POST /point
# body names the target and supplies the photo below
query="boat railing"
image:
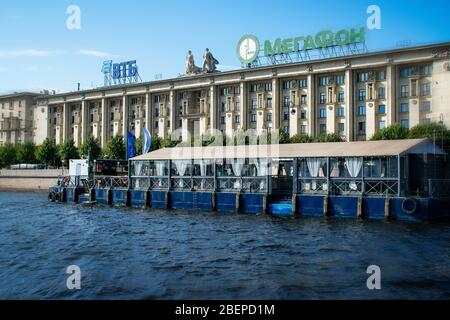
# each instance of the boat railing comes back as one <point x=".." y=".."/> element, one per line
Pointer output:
<point x="348" y="186"/>
<point x="242" y="184"/>
<point x="110" y="182"/>
<point x="439" y="188"/>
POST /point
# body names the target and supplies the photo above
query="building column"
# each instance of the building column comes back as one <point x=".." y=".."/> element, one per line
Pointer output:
<point x="244" y="103"/>
<point x="105" y="128"/>
<point x="66" y="122"/>
<point x="125" y="120"/>
<point x="148" y="112"/>
<point x="311" y="114"/>
<point x="371" y="115"/>
<point x="172" y="111"/>
<point x="390" y="95"/>
<point x="214" y="107"/>
<point x="276" y="104"/>
<point x="349" y="123"/>
<point x="84" y="121"/>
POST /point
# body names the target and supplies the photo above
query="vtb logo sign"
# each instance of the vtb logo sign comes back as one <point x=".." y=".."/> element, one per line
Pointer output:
<point x="121" y="70"/>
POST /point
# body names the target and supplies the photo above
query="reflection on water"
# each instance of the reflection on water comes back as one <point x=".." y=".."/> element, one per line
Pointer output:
<point x="148" y="254"/>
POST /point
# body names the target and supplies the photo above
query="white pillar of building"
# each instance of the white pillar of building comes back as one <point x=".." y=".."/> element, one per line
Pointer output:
<point x="214" y="107"/>
<point x="349" y="123"/>
<point x="311" y="114"/>
<point x="244" y="103"/>
<point x="390" y="95"/>
<point x="66" y="122"/>
<point x="105" y="122"/>
<point x="172" y="111"/>
<point x="84" y="121"/>
<point x="125" y="114"/>
<point x="276" y="104"/>
<point x="148" y="112"/>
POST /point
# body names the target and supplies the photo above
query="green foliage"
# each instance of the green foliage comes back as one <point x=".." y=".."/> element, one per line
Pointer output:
<point x="139" y="146"/>
<point x="26" y="153"/>
<point x="91" y="148"/>
<point x="393" y="132"/>
<point x="168" y="143"/>
<point x="48" y="153"/>
<point x="115" y="149"/>
<point x="8" y="155"/>
<point x="68" y="151"/>
<point x="330" y="137"/>
<point x="282" y="136"/>
<point x="435" y="132"/>
<point x="301" y="138"/>
<point x="156" y="143"/>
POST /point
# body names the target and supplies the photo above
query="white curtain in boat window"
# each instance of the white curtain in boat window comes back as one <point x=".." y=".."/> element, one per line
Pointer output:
<point x="261" y="166"/>
<point x="160" y="166"/>
<point x="138" y="168"/>
<point x="181" y="166"/>
<point x="238" y="165"/>
<point x="354" y="166"/>
<point x="263" y="169"/>
<point x="275" y="167"/>
<point x="203" y="166"/>
<point x="314" y="166"/>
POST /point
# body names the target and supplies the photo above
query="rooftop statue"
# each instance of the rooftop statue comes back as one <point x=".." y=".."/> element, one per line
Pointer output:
<point x="191" y="68"/>
<point x="209" y="62"/>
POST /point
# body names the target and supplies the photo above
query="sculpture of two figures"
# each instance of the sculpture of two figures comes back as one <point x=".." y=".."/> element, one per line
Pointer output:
<point x="209" y="64"/>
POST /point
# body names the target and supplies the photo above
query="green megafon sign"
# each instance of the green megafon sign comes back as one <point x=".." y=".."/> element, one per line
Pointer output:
<point x="249" y="47"/>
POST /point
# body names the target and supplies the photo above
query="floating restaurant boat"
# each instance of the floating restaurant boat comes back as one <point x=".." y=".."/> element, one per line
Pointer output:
<point x="401" y="179"/>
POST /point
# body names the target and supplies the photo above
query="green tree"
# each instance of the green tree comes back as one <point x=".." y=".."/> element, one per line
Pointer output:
<point x="301" y="138"/>
<point x="330" y="137"/>
<point x="139" y="145"/>
<point x="26" y="153"/>
<point x="282" y="136"/>
<point x="8" y="155"/>
<point x="434" y="131"/>
<point x="393" y="132"/>
<point x="48" y="153"/>
<point x="68" y="151"/>
<point x="115" y="149"/>
<point x="156" y="143"/>
<point x="91" y="147"/>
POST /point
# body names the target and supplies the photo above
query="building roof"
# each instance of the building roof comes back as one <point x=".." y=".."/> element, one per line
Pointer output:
<point x="302" y="150"/>
<point x="19" y="95"/>
<point x="269" y="67"/>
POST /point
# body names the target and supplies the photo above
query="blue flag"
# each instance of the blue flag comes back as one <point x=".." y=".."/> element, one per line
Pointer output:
<point x="147" y="142"/>
<point x="131" y="145"/>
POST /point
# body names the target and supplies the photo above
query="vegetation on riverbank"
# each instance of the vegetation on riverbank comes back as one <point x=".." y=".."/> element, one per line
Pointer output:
<point x="54" y="155"/>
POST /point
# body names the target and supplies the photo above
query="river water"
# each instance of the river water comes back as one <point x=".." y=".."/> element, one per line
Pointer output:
<point x="155" y="254"/>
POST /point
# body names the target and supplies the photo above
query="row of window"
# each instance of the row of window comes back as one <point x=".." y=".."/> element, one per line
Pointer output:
<point x="426" y="70"/>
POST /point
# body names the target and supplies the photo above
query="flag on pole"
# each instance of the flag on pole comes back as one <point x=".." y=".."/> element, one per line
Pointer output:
<point x="131" y="145"/>
<point x="147" y="142"/>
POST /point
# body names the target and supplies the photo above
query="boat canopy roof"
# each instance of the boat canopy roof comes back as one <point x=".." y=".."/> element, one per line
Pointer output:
<point x="384" y="148"/>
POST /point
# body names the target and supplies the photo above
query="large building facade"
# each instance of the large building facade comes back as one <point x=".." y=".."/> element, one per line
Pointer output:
<point x="354" y="96"/>
<point x="22" y="118"/>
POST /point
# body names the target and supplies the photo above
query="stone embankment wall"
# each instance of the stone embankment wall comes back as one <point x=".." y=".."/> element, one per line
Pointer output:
<point x="28" y="180"/>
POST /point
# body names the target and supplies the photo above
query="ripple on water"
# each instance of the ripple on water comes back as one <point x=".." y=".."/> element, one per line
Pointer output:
<point x="143" y="254"/>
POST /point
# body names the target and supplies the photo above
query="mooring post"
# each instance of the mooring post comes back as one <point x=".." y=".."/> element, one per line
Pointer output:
<point x="359" y="208"/>
<point x="109" y="196"/>
<point x="326" y="211"/>
<point x="294" y="204"/>
<point x="213" y="200"/>
<point x="387" y="208"/>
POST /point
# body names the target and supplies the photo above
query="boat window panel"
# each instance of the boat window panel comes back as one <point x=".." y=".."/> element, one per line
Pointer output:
<point x="384" y="167"/>
<point x="350" y="167"/>
<point x="312" y="168"/>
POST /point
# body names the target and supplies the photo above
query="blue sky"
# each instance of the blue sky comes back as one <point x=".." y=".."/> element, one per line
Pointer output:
<point x="37" y="50"/>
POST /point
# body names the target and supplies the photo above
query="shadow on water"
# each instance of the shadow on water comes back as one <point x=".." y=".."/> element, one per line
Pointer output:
<point x="154" y="254"/>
